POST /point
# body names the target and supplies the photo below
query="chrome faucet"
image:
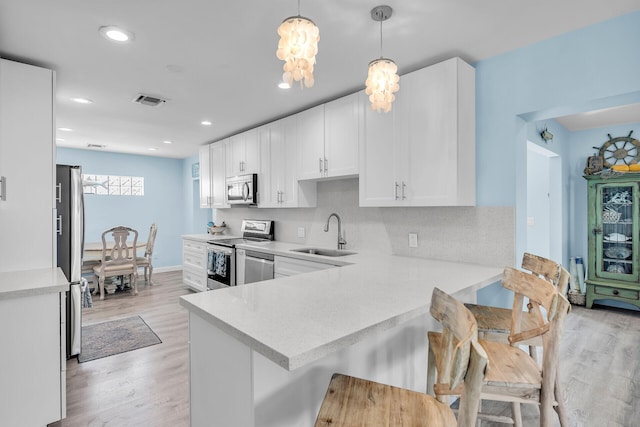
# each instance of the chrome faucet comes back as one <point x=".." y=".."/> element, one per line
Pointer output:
<point x="341" y="241"/>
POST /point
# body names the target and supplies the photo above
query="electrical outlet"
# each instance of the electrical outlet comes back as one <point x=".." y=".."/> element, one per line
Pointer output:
<point x="301" y="232"/>
<point x="531" y="221"/>
<point x="413" y="240"/>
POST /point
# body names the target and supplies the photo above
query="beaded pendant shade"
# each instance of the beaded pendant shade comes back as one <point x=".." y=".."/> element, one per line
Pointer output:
<point x="298" y="46"/>
<point x="382" y="81"/>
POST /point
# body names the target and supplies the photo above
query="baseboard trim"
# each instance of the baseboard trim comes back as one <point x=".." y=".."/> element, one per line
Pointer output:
<point x="167" y="269"/>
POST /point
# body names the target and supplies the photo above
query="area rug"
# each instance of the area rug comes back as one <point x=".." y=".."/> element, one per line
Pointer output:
<point x="115" y="336"/>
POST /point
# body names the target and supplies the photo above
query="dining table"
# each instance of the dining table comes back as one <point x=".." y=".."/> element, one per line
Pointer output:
<point x="93" y="250"/>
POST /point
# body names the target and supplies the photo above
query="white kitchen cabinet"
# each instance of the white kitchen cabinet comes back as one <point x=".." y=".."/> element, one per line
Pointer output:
<point x="311" y="157"/>
<point x="285" y="266"/>
<point x="423" y="152"/>
<point x="342" y="129"/>
<point x="204" y="157"/>
<point x="328" y="137"/>
<point x="243" y="154"/>
<point x="279" y="186"/>
<point x="27" y="167"/>
<point x="213" y="175"/>
<point x="217" y="152"/>
<point x="194" y="264"/>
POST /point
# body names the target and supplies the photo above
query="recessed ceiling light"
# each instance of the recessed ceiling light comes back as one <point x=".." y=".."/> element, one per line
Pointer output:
<point x="82" y="100"/>
<point x="66" y="129"/>
<point x="168" y="142"/>
<point x="284" y="85"/>
<point x="153" y="149"/>
<point x="206" y="123"/>
<point x="116" y="34"/>
<point x="60" y="139"/>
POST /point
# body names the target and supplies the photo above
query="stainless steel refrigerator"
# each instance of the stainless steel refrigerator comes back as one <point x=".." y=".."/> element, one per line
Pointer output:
<point x="70" y="237"/>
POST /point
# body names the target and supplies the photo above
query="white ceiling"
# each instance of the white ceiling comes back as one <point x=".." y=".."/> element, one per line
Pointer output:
<point x="216" y="60"/>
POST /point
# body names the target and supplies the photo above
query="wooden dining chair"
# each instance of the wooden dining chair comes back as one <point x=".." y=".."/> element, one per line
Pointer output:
<point x="351" y="401"/>
<point x="512" y="374"/>
<point x="146" y="260"/>
<point x="118" y="259"/>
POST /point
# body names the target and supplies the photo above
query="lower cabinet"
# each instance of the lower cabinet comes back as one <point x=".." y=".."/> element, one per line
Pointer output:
<point x="33" y="368"/>
<point x="194" y="264"/>
<point x="285" y="266"/>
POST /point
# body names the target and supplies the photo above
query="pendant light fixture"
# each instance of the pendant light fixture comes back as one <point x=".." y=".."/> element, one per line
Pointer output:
<point x="382" y="81"/>
<point x="298" y="47"/>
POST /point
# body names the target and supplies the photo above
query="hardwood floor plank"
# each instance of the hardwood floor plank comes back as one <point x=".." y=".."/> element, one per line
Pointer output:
<point x="600" y="367"/>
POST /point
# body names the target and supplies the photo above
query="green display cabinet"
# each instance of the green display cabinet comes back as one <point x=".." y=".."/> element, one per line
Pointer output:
<point x="613" y="225"/>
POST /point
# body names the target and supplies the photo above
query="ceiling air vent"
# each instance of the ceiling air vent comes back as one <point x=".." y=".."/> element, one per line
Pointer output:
<point x="151" y="101"/>
<point x="95" y="146"/>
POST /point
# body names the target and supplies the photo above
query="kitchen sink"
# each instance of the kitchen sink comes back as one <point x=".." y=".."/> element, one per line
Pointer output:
<point x="323" y="252"/>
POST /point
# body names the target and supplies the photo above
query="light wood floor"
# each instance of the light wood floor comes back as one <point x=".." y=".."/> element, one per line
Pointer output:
<point x="144" y="387"/>
<point x="600" y="367"/>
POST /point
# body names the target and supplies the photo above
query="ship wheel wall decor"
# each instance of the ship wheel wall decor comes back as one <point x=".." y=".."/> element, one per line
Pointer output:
<point x="623" y="150"/>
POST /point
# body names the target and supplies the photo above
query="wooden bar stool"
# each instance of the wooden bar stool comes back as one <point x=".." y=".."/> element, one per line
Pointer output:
<point x="494" y="323"/>
<point x="351" y="401"/>
<point x="512" y="374"/>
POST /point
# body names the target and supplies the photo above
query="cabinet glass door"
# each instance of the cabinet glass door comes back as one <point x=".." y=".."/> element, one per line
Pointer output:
<point x="617" y="233"/>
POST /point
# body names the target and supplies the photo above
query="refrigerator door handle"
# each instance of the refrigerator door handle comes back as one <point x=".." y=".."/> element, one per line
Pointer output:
<point x="59" y="225"/>
<point x="59" y="192"/>
<point x="3" y="189"/>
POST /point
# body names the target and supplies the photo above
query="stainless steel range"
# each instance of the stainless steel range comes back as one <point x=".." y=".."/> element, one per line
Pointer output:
<point x="222" y="266"/>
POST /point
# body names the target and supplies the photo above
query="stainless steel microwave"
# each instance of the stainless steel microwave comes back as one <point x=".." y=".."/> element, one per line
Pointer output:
<point x="242" y="190"/>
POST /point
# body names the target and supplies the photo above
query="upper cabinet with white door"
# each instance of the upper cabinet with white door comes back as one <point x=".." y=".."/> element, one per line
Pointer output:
<point x="204" y="157"/>
<point x="217" y="152"/>
<point x="423" y="152"/>
<point x="243" y="154"/>
<point x="213" y="165"/>
<point x="328" y="139"/>
<point x="27" y="167"/>
<point x="279" y="185"/>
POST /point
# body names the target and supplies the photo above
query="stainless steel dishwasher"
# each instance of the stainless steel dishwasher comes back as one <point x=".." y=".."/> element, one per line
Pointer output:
<point x="258" y="266"/>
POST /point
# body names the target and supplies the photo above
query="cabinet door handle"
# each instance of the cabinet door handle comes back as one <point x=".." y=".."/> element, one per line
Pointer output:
<point x="3" y="188"/>
<point x="396" y="192"/>
<point x="326" y="165"/>
<point x="616" y="292"/>
<point x="320" y="160"/>
<point x="59" y="225"/>
<point x="597" y="230"/>
<point x="403" y="187"/>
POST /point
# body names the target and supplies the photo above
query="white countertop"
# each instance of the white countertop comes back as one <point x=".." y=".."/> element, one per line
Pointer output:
<point x="296" y="320"/>
<point x="17" y="284"/>
<point x="204" y="237"/>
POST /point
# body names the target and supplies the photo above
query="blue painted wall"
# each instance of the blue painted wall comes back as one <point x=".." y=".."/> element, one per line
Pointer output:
<point x="195" y="218"/>
<point x="595" y="67"/>
<point x="163" y="201"/>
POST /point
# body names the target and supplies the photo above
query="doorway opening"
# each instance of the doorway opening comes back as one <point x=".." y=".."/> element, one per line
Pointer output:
<point x="544" y="202"/>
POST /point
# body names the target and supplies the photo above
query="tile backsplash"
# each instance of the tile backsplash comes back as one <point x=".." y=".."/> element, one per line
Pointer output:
<point x="483" y="235"/>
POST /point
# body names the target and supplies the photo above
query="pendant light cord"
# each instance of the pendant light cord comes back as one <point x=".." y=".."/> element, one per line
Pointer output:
<point x="380" y="38"/>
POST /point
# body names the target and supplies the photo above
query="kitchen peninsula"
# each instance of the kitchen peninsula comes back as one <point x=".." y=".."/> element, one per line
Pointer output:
<point x="262" y="354"/>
